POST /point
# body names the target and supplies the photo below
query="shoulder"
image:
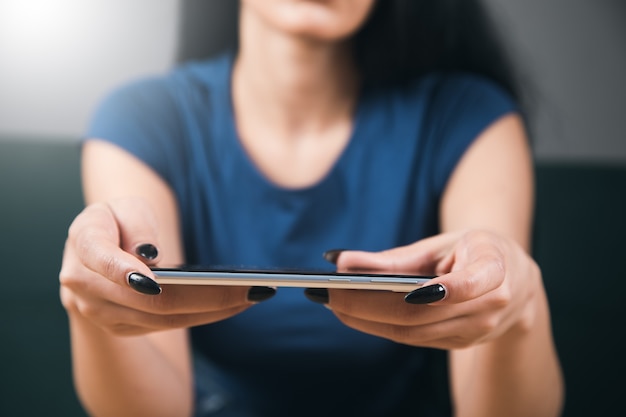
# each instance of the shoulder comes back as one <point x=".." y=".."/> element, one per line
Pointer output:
<point x="210" y="73"/>
<point x="163" y="91"/>
<point x="136" y="97"/>
<point x="161" y="101"/>
<point x="455" y="91"/>
<point x="457" y="108"/>
<point x="447" y="98"/>
<point x="461" y="104"/>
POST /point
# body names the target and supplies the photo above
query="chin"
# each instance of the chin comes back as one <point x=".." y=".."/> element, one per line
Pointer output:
<point x="324" y="20"/>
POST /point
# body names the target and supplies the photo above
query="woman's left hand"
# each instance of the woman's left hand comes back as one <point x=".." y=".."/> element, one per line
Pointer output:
<point x="486" y="286"/>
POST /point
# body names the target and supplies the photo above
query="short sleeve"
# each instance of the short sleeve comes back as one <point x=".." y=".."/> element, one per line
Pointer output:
<point x="465" y="105"/>
<point x="142" y="118"/>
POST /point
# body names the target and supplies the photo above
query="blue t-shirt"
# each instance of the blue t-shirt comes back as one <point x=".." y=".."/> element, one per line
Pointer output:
<point x="289" y="356"/>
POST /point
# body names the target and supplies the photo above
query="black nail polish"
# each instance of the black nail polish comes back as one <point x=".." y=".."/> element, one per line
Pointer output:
<point x="258" y="294"/>
<point x="317" y="295"/>
<point x="426" y="295"/>
<point x="147" y="251"/>
<point x="332" y="255"/>
<point x="143" y="284"/>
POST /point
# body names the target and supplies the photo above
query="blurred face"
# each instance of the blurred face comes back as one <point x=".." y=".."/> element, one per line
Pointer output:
<point x="315" y="19"/>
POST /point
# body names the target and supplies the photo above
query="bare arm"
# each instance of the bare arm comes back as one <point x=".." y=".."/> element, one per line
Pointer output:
<point x="145" y="374"/>
<point x="517" y="373"/>
<point x="130" y="350"/>
<point x="487" y="306"/>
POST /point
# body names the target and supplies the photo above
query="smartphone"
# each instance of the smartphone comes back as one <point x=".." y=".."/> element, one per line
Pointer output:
<point x="204" y="275"/>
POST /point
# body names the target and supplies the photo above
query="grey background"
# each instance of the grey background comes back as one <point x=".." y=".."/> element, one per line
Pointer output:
<point x="574" y="54"/>
<point x="58" y="57"/>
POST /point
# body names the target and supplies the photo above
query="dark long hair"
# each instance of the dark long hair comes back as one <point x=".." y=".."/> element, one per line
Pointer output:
<point x="401" y="40"/>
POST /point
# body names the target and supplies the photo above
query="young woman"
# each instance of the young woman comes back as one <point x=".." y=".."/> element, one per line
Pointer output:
<point x="387" y="128"/>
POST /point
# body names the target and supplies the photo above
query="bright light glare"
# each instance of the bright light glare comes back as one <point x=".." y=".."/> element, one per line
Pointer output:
<point x="38" y="30"/>
<point x="58" y="57"/>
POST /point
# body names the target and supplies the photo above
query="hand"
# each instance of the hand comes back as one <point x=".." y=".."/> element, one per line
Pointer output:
<point x="108" y="250"/>
<point x="486" y="286"/>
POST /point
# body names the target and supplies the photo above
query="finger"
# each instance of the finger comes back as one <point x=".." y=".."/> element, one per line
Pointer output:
<point x="386" y="307"/>
<point x="422" y="257"/>
<point x="190" y="299"/>
<point x="482" y="276"/>
<point x="455" y="333"/>
<point x="138" y="228"/>
<point x="477" y="267"/>
<point x="94" y="238"/>
<point x="174" y="299"/>
<point x="122" y="320"/>
<point x="123" y="309"/>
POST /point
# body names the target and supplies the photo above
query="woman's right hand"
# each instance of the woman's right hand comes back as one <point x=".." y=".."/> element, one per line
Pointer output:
<point x="108" y="251"/>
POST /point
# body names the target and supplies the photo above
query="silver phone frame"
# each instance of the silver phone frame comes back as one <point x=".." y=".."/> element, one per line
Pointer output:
<point x="289" y="278"/>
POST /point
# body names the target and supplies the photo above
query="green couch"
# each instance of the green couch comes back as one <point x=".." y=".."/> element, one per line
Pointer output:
<point x="579" y="242"/>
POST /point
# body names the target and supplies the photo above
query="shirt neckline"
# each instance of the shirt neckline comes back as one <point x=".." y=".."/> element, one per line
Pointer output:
<point x="232" y="136"/>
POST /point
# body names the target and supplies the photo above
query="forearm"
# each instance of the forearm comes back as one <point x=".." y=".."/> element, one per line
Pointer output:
<point x="126" y="376"/>
<point x="517" y="374"/>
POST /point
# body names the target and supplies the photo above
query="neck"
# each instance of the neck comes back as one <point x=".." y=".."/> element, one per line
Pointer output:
<point x="298" y="86"/>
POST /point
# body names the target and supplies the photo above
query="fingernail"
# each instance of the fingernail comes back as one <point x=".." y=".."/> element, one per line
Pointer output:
<point x="332" y="255"/>
<point x="258" y="294"/>
<point x="147" y="251"/>
<point x="317" y="295"/>
<point x="426" y="295"/>
<point x="143" y="284"/>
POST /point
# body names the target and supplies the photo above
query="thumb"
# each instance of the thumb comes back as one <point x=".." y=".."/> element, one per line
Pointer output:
<point x="138" y="228"/>
<point x="424" y="257"/>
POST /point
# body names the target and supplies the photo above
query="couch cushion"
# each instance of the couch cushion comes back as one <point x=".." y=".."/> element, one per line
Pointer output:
<point x="580" y="244"/>
<point x="40" y="192"/>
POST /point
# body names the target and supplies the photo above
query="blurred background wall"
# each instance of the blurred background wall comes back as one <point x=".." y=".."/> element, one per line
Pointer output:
<point x="58" y="57"/>
<point x="574" y="54"/>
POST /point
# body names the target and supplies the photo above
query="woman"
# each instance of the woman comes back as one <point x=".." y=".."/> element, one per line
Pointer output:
<point x="317" y="132"/>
